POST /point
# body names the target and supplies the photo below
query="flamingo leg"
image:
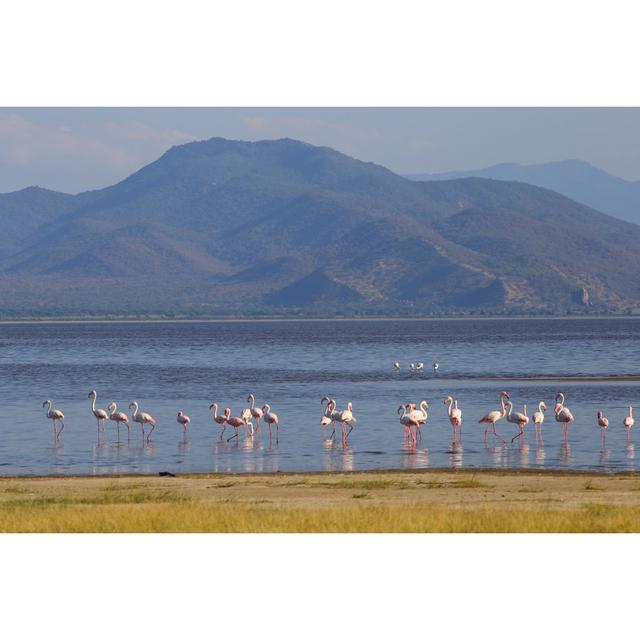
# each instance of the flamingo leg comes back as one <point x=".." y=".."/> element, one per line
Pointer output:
<point x="153" y="426"/>
<point x="495" y="433"/>
<point x="61" y="430"/>
<point x="235" y="435"/>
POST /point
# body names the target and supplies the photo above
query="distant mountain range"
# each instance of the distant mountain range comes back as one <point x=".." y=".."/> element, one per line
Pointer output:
<point x="573" y="178"/>
<point x="283" y="227"/>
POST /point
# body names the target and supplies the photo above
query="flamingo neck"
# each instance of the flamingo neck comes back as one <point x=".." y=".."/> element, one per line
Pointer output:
<point x="93" y="403"/>
<point x="450" y="409"/>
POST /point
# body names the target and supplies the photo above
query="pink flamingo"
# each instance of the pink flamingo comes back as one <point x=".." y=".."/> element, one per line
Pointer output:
<point x="237" y="423"/>
<point x="142" y="418"/>
<point x="538" y="419"/>
<point x="345" y="417"/>
<point x="420" y="415"/>
<point x="410" y="423"/>
<point x="326" y="419"/>
<point x="119" y="417"/>
<point x="53" y="415"/>
<point x="493" y="416"/>
<point x="603" y="423"/>
<point x="221" y="420"/>
<point x="519" y="419"/>
<point x="100" y="414"/>
<point x="256" y="412"/>
<point x="455" y="415"/>
<point x="628" y="423"/>
<point x="563" y="415"/>
<point x="183" y="420"/>
<point x="271" y="418"/>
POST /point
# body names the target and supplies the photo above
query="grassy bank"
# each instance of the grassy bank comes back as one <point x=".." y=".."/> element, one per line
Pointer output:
<point x="430" y="501"/>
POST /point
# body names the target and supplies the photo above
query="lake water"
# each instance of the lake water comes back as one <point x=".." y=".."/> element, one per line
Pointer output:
<point x="171" y="366"/>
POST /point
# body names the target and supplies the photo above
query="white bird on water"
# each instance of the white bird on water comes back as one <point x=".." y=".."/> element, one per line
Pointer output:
<point x="54" y="414"/>
<point x="396" y="366"/>
<point x="183" y="420"/>
<point x="100" y="414"/>
<point x="563" y="415"/>
<point x="435" y="366"/>
<point x="118" y="417"/>
<point x="420" y="366"/>
<point x="142" y="418"/>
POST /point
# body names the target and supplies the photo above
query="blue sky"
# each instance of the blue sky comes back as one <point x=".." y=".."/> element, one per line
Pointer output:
<point x="74" y="149"/>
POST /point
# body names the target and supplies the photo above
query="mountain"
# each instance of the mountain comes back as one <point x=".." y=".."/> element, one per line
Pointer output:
<point x="573" y="178"/>
<point x="283" y="227"/>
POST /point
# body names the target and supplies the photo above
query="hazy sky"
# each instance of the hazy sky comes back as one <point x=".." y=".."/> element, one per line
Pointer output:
<point x="73" y="149"/>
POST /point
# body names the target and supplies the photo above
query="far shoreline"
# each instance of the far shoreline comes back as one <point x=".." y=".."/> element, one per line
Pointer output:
<point x="239" y="320"/>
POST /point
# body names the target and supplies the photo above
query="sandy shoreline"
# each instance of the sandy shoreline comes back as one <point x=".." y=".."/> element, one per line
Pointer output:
<point x="375" y="501"/>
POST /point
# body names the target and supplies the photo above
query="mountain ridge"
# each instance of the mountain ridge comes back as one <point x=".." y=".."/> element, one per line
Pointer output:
<point x="221" y="227"/>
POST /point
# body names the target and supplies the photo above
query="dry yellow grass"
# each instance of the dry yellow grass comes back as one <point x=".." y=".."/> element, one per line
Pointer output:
<point x="432" y="501"/>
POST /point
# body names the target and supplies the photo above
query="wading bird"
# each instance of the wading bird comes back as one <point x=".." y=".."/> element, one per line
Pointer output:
<point x="183" y="420"/>
<point x="100" y="414"/>
<point x="493" y="416"/>
<point x="563" y="415"/>
<point x="435" y="366"/>
<point x="603" y="423"/>
<point x="396" y="366"/>
<point x="409" y="423"/>
<point x="221" y="420"/>
<point x="420" y="415"/>
<point x="271" y="419"/>
<point x="327" y="418"/>
<point x="519" y="419"/>
<point x="256" y="412"/>
<point x="142" y="418"/>
<point x="239" y="423"/>
<point x="455" y="415"/>
<point x="345" y="418"/>
<point x="538" y="419"/>
<point x="54" y="414"/>
<point x="118" y="417"/>
<point x="420" y="366"/>
<point x="628" y="423"/>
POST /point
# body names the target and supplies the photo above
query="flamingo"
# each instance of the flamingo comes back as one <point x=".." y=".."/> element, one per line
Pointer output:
<point x="54" y="414"/>
<point x="455" y="414"/>
<point x="345" y="417"/>
<point x="271" y="418"/>
<point x="628" y="423"/>
<point x="327" y="418"/>
<point x="100" y="414"/>
<point x="118" y="417"/>
<point x="256" y="412"/>
<point x="493" y="416"/>
<point x="221" y="420"/>
<point x="538" y="419"/>
<point x="142" y="418"/>
<point x="603" y="423"/>
<point x="520" y="419"/>
<point x="419" y="415"/>
<point x="238" y="422"/>
<point x="183" y="420"/>
<point x="563" y="415"/>
<point x="409" y="423"/>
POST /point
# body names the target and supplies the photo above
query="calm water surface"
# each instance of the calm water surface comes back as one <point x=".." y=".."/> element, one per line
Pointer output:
<point x="291" y="365"/>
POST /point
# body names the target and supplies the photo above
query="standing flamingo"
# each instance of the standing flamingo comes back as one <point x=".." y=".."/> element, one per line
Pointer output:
<point x="455" y="415"/>
<point x="409" y="423"/>
<point x="419" y="415"/>
<point x="271" y="418"/>
<point x="519" y="419"/>
<point x="538" y="419"/>
<point x="256" y="412"/>
<point x="183" y="420"/>
<point x="142" y="418"/>
<point x="118" y="417"/>
<point x="237" y="423"/>
<point x="563" y="415"/>
<point x="603" y="423"/>
<point x="493" y="416"/>
<point x="628" y="423"/>
<point x="54" y="414"/>
<point x="327" y="418"/>
<point x="221" y="420"/>
<point x="345" y="417"/>
<point x="100" y="414"/>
